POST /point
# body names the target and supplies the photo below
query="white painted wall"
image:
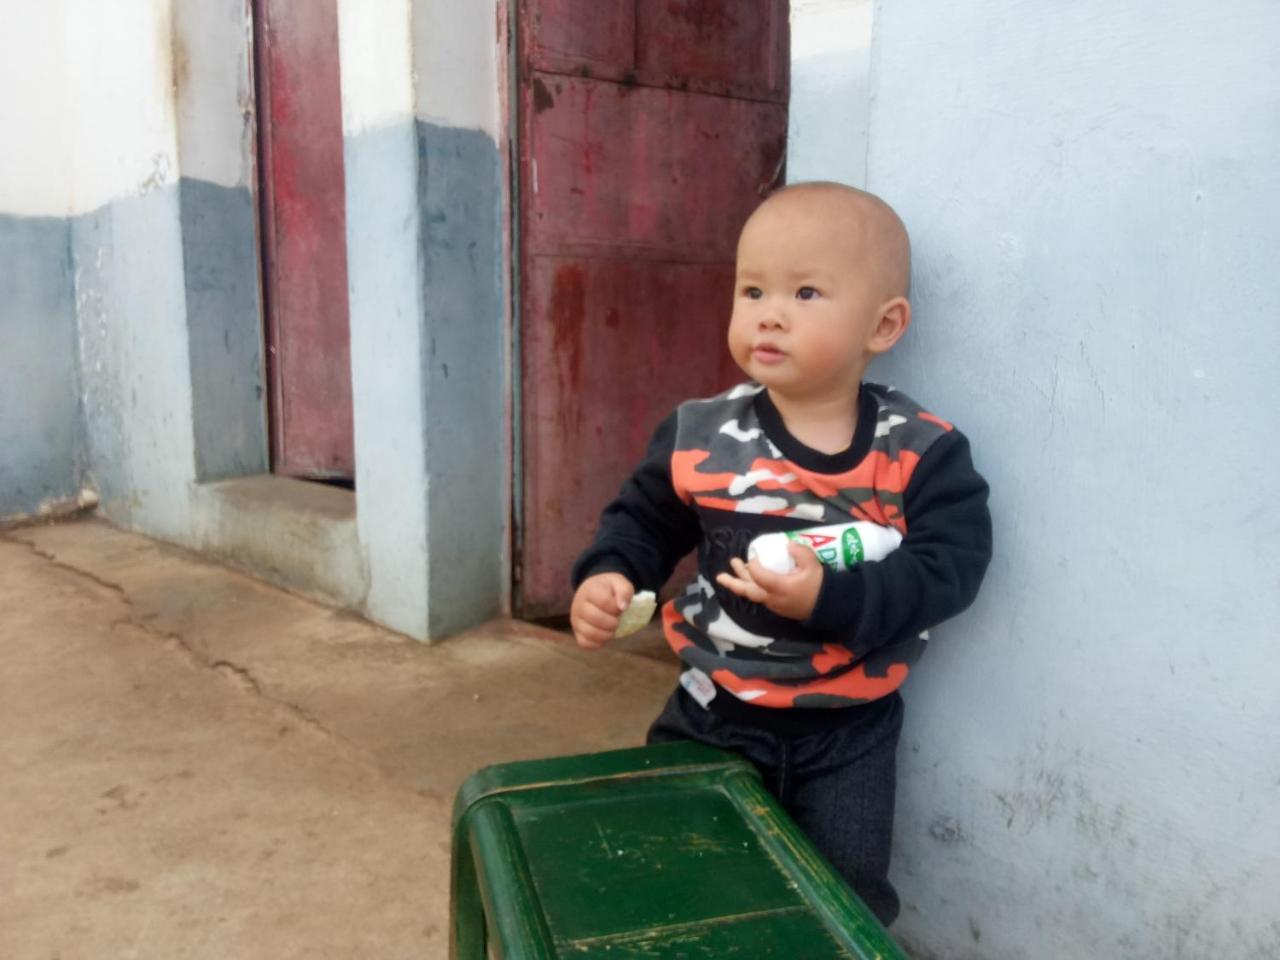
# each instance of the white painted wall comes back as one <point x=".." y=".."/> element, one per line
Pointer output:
<point x="84" y="121"/>
<point x="436" y="61"/>
<point x="830" y="96"/>
<point x="89" y="99"/>
<point x="375" y="42"/>
<point x="1090" y="764"/>
<point x="456" y="50"/>
<point x="211" y="47"/>
<point x="119" y="63"/>
<point x="35" y="174"/>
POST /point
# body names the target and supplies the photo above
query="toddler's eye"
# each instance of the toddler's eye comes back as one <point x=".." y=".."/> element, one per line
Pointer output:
<point x="753" y="293"/>
<point x="806" y="293"/>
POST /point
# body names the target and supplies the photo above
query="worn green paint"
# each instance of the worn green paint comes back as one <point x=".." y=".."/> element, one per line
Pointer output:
<point x="675" y="850"/>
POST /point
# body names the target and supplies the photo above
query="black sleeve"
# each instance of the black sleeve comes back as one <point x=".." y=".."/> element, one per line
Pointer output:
<point x="936" y="571"/>
<point x="647" y="529"/>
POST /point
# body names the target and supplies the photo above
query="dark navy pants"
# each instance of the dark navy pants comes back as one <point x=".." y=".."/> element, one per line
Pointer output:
<point x="837" y="784"/>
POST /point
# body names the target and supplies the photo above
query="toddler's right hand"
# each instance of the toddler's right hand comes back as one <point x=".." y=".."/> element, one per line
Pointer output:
<point x="596" y="608"/>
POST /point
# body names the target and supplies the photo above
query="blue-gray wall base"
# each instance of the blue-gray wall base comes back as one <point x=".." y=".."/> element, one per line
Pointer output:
<point x="40" y="431"/>
<point x="467" y="462"/>
<point x="224" y="324"/>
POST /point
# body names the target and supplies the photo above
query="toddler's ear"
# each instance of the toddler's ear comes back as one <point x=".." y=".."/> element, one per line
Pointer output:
<point x="895" y="317"/>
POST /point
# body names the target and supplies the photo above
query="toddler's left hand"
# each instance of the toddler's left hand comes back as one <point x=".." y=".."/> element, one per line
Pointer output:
<point x="792" y="595"/>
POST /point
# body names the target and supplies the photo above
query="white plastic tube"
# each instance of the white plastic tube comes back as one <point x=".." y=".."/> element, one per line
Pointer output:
<point x="839" y="545"/>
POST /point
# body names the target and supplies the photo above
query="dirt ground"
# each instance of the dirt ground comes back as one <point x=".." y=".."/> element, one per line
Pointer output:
<point x="195" y="764"/>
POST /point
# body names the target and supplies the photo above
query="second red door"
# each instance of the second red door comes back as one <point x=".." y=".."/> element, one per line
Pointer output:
<point x="648" y="131"/>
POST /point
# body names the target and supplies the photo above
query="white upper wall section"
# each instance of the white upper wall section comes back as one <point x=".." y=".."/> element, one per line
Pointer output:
<point x="456" y="48"/>
<point x="121" y="83"/>
<point x="436" y="60"/>
<point x="375" y="42"/>
<point x="212" y="47"/>
<point x="92" y="94"/>
<point x="87" y="94"/>
<point x="830" y="96"/>
<point x="35" y="175"/>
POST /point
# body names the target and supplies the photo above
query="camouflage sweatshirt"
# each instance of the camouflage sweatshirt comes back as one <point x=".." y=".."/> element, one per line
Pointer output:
<point x="721" y="471"/>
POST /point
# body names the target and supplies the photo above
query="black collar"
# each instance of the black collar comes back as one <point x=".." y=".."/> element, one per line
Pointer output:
<point x="814" y="460"/>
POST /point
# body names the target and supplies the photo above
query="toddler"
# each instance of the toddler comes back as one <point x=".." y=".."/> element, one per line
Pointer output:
<point x="799" y="672"/>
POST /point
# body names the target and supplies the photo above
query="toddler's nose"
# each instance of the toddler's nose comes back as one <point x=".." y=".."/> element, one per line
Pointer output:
<point x="771" y="319"/>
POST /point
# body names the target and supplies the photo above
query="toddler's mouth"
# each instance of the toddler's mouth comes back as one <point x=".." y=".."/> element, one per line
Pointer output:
<point x="767" y="353"/>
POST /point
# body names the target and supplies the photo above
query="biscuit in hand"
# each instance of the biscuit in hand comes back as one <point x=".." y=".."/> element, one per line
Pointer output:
<point x="638" y="614"/>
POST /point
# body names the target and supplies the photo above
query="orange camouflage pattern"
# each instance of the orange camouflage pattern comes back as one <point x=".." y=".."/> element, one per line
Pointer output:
<point x="724" y="464"/>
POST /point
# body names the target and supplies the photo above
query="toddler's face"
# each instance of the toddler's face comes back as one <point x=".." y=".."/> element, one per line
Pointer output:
<point x="805" y="304"/>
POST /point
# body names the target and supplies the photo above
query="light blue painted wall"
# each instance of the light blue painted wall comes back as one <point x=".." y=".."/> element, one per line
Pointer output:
<point x="135" y="360"/>
<point x="1090" y="765"/>
<point x="131" y="353"/>
<point x="387" y="350"/>
<point x="40" y="438"/>
<point x="424" y="252"/>
<point x="168" y="321"/>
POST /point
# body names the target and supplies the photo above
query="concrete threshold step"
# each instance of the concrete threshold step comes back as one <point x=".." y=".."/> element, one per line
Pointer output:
<point x="292" y="533"/>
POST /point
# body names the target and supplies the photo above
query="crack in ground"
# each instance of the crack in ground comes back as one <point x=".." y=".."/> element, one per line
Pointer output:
<point x="53" y="560"/>
<point x="243" y="678"/>
<point x="237" y="675"/>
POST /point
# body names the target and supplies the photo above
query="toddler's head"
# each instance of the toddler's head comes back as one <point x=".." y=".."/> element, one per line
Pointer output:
<point x="822" y="281"/>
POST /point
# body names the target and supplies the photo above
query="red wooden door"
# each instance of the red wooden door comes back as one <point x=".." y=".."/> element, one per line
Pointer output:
<point x="304" y="238"/>
<point x="648" y="131"/>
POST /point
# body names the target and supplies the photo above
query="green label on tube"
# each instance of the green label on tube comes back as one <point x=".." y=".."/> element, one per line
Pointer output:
<point x="851" y="547"/>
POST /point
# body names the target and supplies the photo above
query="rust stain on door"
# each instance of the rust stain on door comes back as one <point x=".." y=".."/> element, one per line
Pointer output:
<point x="568" y="307"/>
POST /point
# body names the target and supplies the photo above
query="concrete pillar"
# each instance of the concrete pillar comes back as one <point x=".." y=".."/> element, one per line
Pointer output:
<point x="425" y="248"/>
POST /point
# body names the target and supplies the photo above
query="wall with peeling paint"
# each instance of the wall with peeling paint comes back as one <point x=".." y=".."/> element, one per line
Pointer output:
<point x="1089" y="765"/>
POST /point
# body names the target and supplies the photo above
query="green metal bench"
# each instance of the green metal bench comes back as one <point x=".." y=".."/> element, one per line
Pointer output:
<point x="673" y="851"/>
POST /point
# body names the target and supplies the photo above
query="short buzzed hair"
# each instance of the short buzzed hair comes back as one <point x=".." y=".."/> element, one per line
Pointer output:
<point x="885" y="235"/>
